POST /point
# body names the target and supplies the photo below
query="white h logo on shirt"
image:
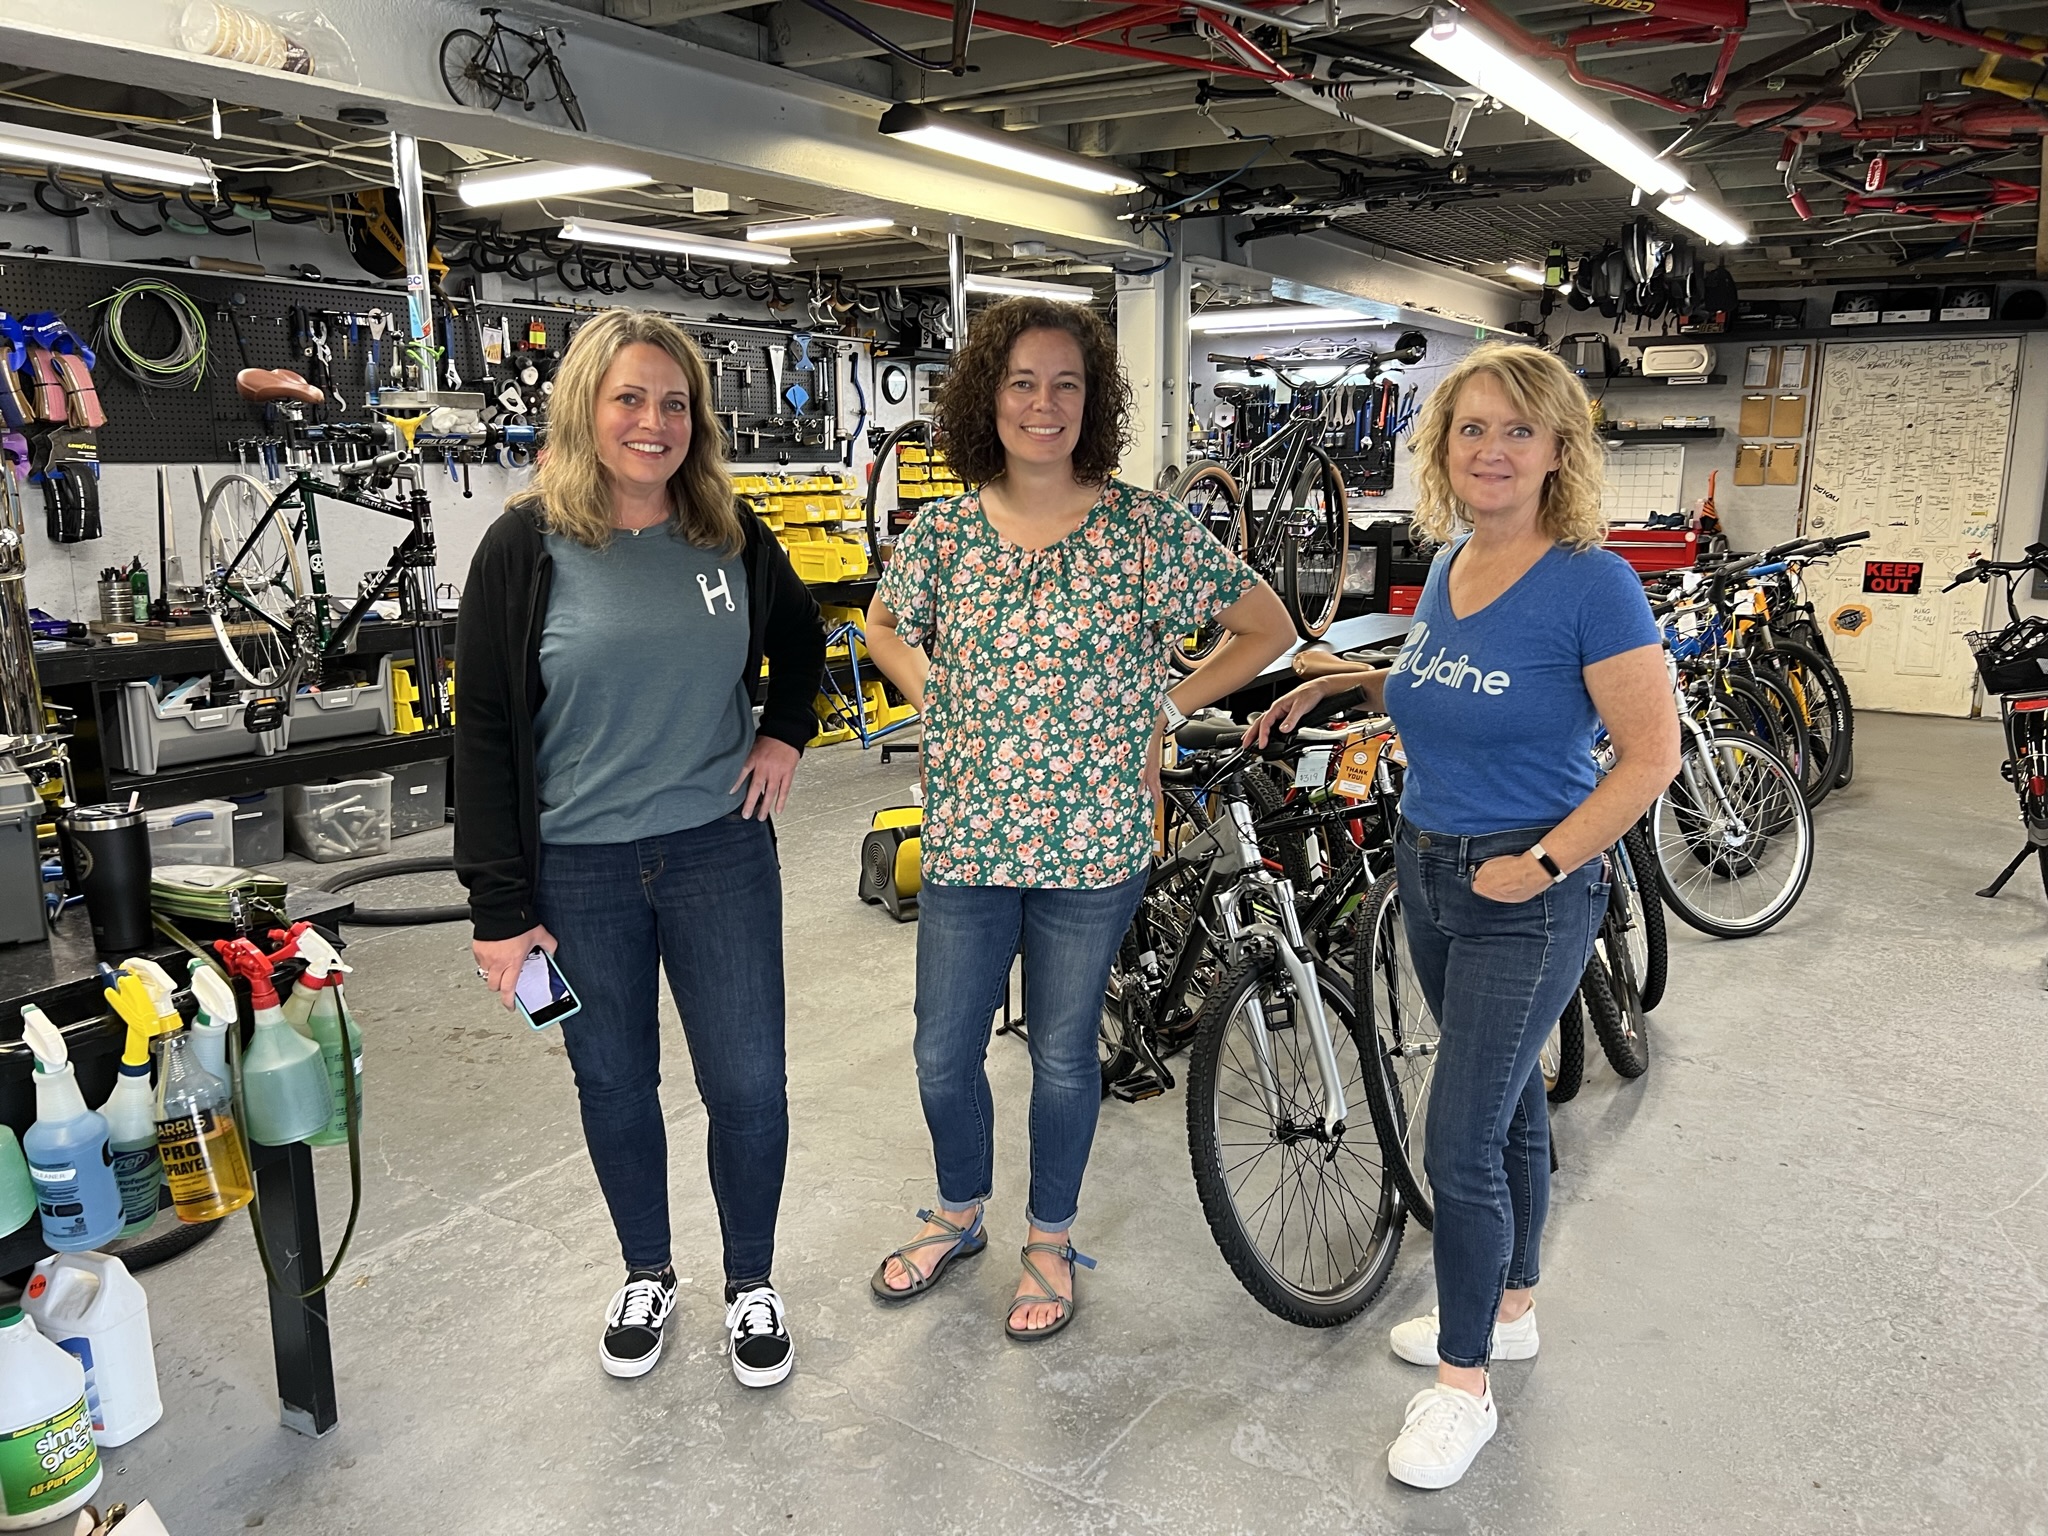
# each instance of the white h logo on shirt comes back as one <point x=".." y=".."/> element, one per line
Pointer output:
<point x="723" y="589"/>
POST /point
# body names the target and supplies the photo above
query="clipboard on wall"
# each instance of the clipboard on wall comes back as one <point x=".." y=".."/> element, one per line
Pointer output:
<point x="1749" y="464"/>
<point x="1755" y="420"/>
<point x="1788" y="416"/>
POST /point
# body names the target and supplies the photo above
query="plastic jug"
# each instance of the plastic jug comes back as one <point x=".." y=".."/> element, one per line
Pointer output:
<point x="88" y="1305"/>
<point x="204" y="1163"/>
<point x="49" y="1461"/>
<point x="69" y="1154"/>
<point x="130" y="1109"/>
<point x="17" y="1189"/>
<point x="284" y="1080"/>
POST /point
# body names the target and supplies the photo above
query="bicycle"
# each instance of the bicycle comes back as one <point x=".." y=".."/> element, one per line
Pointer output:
<point x="1299" y="540"/>
<point x="2012" y="664"/>
<point x="270" y="609"/>
<point x="478" y="69"/>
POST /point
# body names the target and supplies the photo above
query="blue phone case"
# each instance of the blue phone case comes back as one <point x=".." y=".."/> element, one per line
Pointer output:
<point x="567" y="991"/>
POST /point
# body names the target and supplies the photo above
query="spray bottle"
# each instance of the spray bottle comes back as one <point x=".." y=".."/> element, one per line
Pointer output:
<point x="69" y="1153"/>
<point x="17" y="1189"/>
<point x="130" y="1109"/>
<point x="284" y="1081"/>
<point x="204" y="1164"/>
<point x="210" y="1026"/>
<point x="328" y="1023"/>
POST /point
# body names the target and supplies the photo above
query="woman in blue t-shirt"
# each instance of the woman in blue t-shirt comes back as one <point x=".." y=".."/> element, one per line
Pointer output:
<point x="1528" y="639"/>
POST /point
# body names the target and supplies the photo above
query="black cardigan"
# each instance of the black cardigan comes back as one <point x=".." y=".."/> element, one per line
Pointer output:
<point x="498" y="688"/>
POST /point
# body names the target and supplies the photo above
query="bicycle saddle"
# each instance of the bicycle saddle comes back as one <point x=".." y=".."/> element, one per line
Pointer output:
<point x="1200" y="735"/>
<point x="265" y="384"/>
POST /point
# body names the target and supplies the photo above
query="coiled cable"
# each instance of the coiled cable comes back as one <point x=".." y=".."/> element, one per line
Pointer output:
<point x="183" y="366"/>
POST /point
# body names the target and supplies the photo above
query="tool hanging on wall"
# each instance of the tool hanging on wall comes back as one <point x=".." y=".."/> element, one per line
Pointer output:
<point x="66" y="464"/>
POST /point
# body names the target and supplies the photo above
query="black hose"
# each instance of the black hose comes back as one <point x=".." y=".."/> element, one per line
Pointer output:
<point x="49" y="183"/>
<point x="135" y="229"/>
<point x="397" y="917"/>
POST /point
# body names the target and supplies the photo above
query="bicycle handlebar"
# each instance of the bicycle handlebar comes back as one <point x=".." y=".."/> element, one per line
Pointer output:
<point x="2035" y="559"/>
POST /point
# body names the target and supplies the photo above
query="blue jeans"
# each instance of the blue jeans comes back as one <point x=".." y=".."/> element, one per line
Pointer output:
<point x="706" y="906"/>
<point x="1496" y="975"/>
<point x="967" y="935"/>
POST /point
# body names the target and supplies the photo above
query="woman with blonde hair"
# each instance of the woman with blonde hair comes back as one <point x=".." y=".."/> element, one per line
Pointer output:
<point x="613" y="794"/>
<point x="1528" y="639"/>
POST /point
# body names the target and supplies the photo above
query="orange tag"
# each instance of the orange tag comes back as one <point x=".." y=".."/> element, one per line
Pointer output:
<point x="37" y="1285"/>
<point x="1355" y="768"/>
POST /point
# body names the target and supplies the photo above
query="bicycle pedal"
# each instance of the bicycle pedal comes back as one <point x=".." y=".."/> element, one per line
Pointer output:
<point x="1136" y="1088"/>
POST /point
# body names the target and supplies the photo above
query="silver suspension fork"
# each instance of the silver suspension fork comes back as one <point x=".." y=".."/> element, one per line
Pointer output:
<point x="1738" y="829"/>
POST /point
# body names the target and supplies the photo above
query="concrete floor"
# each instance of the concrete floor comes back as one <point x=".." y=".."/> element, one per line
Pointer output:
<point x="1794" y="1281"/>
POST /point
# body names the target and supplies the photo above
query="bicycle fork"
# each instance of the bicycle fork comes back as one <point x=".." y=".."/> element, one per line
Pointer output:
<point x="1294" y="956"/>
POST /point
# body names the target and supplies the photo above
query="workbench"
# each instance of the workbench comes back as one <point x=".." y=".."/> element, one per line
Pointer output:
<point x="59" y="978"/>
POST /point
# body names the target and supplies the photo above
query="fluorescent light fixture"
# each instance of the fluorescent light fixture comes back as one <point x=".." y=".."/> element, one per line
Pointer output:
<point x="1529" y="274"/>
<point x="935" y="130"/>
<point x="1025" y="288"/>
<point x="1283" y="317"/>
<point x="541" y="178"/>
<point x="635" y="237"/>
<point x="41" y="147"/>
<point x="1705" y="219"/>
<point x="1466" y="51"/>
<point x="813" y="229"/>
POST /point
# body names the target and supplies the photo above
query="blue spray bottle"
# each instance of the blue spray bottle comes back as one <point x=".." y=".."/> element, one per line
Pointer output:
<point x="70" y="1153"/>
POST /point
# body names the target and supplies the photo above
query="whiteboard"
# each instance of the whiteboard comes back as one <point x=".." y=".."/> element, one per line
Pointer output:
<point x="1910" y="441"/>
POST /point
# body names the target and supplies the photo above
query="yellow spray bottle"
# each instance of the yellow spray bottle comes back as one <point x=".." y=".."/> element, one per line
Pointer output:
<point x="130" y="1110"/>
<point x="204" y="1164"/>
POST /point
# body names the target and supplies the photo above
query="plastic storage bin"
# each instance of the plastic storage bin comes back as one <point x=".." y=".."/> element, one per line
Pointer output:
<point x="419" y="797"/>
<point x="259" y="828"/>
<point x="202" y="832"/>
<point x="152" y="737"/>
<point x="346" y="820"/>
<point x="363" y="709"/>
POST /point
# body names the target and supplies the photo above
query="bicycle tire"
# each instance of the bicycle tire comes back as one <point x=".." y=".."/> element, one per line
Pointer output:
<point x="1288" y="849"/>
<point x="1312" y="565"/>
<point x="1625" y="1032"/>
<point x="917" y="428"/>
<point x="1596" y="992"/>
<point x="564" y="94"/>
<point x="1816" y="673"/>
<point x="1752" y="706"/>
<point x="1650" y="915"/>
<point x="1563" y="1058"/>
<point x="1405" y="1035"/>
<point x="1697" y="840"/>
<point x="1246" y="999"/>
<point x="1209" y="491"/>
<point x="251" y="573"/>
<point x="466" y="70"/>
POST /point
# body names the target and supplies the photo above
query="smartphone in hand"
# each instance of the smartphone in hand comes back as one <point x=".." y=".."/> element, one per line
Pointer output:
<point x="542" y="994"/>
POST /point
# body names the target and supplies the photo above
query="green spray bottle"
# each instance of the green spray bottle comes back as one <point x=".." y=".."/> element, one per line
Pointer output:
<point x="285" y="1096"/>
<point x="130" y="1110"/>
<point x="327" y="1023"/>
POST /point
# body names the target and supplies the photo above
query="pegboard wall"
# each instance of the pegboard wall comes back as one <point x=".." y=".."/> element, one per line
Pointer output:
<point x="253" y="324"/>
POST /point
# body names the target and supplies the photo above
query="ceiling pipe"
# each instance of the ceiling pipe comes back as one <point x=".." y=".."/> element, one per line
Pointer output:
<point x="1080" y="36"/>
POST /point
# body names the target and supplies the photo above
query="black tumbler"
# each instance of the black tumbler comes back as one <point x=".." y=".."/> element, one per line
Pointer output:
<point x="106" y="850"/>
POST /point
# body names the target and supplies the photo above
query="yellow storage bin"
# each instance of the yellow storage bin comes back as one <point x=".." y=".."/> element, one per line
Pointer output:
<point x="819" y="560"/>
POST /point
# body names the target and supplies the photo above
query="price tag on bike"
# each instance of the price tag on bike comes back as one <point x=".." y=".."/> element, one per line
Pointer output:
<point x="1313" y="768"/>
<point x="1356" y="767"/>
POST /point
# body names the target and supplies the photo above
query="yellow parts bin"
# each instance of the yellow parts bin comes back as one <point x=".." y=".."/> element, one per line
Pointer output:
<point x="889" y="852"/>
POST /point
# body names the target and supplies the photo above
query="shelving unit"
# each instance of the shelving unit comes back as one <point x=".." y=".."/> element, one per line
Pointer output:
<point x="1637" y="381"/>
<point x="1660" y="435"/>
<point x="1919" y="331"/>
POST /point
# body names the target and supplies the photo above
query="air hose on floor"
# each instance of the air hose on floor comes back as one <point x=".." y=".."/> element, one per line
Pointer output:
<point x="397" y="917"/>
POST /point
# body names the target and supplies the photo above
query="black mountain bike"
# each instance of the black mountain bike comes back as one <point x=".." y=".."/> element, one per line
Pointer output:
<point x="483" y="70"/>
<point x="2012" y="663"/>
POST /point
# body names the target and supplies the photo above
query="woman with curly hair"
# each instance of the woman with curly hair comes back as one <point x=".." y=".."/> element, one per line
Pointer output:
<point x="1528" y="639"/>
<point x="1047" y="598"/>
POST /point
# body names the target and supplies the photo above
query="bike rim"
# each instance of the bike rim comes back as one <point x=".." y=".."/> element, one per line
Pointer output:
<point x="1736" y="858"/>
<point x="1315" y="1214"/>
<point x="253" y="602"/>
<point x="1408" y="1035"/>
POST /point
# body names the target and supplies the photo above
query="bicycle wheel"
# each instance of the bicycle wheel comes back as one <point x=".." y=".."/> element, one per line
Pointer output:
<point x="1732" y="836"/>
<point x="564" y="94"/>
<point x="466" y="70"/>
<point x="1209" y="491"/>
<point x="1823" y="700"/>
<point x="1747" y="704"/>
<point x="1625" y="1032"/>
<point x="1310" y="1225"/>
<point x="1596" y="992"/>
<point x="1405" y="1034"/>
<point x="1318" y="532"/>
<point x="1287" y="849"/>
<point x="1653" y="953"/>
<point x="1563" y="1060"/>
<point x="254" y="587"/>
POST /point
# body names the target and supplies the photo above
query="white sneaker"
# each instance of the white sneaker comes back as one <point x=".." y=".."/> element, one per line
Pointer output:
<point x="1444" y="1430"/>
<point x="1415" y="1340"/>
<point x="762" y="1353"/>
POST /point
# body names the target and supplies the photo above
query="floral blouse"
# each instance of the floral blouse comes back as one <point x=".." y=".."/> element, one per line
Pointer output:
<point x="1047" y="671"/>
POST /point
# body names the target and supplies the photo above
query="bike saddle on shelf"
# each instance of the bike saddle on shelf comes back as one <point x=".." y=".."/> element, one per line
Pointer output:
<point x="267" y="384"/>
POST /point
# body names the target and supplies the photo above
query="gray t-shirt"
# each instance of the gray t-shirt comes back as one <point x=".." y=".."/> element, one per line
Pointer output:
<point x="647" y="720"/>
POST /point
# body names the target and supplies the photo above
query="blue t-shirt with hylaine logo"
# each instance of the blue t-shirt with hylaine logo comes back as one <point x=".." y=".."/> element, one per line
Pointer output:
<point x="1493" y="711"/>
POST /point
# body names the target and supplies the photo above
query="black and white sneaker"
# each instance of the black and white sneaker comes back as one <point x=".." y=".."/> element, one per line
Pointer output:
<point x="762" y="1354"/>
<point x="632" y="1324"/>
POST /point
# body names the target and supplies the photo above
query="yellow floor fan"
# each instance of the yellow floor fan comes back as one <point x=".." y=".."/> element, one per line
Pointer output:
<point x="888" y="861"/>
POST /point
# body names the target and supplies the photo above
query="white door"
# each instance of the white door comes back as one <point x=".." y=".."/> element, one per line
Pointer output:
<point x="1909" y="441"/>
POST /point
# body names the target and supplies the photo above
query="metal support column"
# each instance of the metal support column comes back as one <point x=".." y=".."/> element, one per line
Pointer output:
<point x="1152" y="334"/>
<point x="412" y="224"/>
<point x="956" y="286"/>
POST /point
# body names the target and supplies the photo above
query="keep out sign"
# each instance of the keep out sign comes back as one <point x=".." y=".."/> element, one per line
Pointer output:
<point x="1901" y="578"/>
